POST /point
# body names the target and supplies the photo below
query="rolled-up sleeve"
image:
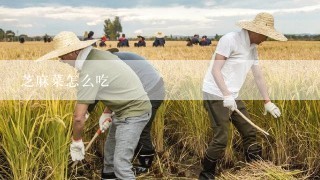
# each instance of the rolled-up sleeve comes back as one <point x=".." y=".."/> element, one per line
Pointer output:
<point x="87" y="89"/>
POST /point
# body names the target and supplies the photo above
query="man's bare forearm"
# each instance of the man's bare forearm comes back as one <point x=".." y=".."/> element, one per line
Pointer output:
<point x="261" y="83"/>
<point x="218" y="78"/>
<point x="217" y="75"/>
<point x="79" y="120"/>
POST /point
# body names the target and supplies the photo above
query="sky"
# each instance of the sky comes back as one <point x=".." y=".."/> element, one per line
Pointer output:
<point x="145" y="17"/>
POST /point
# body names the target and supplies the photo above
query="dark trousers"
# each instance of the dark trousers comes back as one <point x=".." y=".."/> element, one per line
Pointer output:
<point x="156" y="95"/>
<point x="221" y="118"/>
<point x="145" y="146"/>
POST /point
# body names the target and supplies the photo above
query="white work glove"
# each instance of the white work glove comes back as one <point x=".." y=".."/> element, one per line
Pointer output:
<point x="77" y="150"/>
<point x="272" y="109"/>
<point x="105" y="121"/>
<point x="229" y="102"/>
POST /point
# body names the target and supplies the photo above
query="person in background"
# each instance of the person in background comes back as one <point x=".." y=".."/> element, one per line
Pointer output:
<point x="123" y="41"/>
<point x="90" y="37"/>
<point x="141" y="42"/>
<point x="159" y="41"/>
<point x="208" y="41"/>
<point x="189" y="43"/>
<point x="154" y="86"/>
<point x="45" y="38"/>
<point x="205" y="41"/>
<point x="235" y="54"/>
<point x="21" y="39"/>
<point x="103" y="41"/>
<point x="195" y="39"/>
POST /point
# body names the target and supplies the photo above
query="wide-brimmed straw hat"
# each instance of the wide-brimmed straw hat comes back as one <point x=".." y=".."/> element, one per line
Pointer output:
<point x="64" y="43"/>
<point x="263" y="23"/>
<point x="159" y="35"/>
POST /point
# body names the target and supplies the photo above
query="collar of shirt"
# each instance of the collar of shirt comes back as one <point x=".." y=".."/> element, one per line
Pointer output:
<point x="244" y="34"/>
<point x="82" y="56"/>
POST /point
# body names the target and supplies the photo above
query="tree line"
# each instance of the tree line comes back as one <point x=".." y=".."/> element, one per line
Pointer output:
<point x="10" y="36"/>
<point x="113" y="29"/>
<point x="7" y="35"/>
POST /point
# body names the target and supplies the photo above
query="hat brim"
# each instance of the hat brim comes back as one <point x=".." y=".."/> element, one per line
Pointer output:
<point x="270" y="32"/>
<point x="159" y="35"/>
<point x="62" y="51"/>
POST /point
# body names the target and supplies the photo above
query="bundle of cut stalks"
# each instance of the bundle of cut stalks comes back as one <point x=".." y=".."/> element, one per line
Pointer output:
<point x="261" y="170"/>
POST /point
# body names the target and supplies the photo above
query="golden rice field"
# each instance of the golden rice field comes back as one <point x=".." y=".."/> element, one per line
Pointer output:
<point x="292" y="50"/>
<point x="35" y="135"/>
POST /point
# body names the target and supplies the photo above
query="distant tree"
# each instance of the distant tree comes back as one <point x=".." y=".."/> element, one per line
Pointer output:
<point x="117" y="27"/>
<point x="112" y="28"/>
<point x="217" y="37"/>
<point x="37" y="38"/>
<point x="45" y="38"/>
<point x="10" y="35"/>
<point x="2" y="34"/>
<point x="107" y="27"/>
<point x="301" y="37"/>
<point x="113" y="33"/>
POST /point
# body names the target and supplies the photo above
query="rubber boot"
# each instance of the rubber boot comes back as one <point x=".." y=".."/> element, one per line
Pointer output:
<point x="145" y="163"/>
<point x="209" y="169"/>
<point x="253" y="154"/>
<point x="108" y="176"/>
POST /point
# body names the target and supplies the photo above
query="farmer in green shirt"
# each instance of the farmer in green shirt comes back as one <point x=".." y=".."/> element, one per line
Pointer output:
<point x="119" y="88"/>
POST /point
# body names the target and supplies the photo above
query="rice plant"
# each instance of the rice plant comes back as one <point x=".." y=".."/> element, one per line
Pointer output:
<point x="35" y="135"/>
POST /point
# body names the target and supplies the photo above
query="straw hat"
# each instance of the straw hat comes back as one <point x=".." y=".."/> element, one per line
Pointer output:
<point x="159" y="35"/>
<point x="263" y="23"/>
<point x="64" y="43"/>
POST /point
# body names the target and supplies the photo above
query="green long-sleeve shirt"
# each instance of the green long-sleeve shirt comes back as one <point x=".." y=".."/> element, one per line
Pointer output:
<point x="104" y="77"/>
